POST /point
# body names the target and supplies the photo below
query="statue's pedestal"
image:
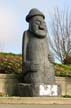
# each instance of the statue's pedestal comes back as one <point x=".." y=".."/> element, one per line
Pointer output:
<point x="36" y="90"/>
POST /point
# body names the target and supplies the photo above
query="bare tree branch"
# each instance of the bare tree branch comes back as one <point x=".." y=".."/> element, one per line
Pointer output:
<point x="60" y="41"/>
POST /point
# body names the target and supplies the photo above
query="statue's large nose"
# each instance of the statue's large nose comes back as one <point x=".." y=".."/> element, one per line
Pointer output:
<point x="41" y="27"/>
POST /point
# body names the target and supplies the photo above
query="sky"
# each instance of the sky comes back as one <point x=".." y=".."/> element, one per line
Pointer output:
<point x="12" y="20"/>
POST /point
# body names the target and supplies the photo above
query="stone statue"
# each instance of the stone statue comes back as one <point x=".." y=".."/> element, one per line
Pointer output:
<point x="37" y="64"/>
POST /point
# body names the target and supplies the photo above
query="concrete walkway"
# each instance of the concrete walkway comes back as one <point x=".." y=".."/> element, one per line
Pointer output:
<point x="32" y="106"/>
<point x="35" y="100"/>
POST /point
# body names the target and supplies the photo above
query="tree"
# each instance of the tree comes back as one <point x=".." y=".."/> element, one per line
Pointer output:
<point x="60" y="41"/>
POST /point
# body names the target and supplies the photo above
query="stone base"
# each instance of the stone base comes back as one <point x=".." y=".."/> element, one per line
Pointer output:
<point x="34" y="101"/>
<point x="35" y="90"/>
<point x="8" y="85"/>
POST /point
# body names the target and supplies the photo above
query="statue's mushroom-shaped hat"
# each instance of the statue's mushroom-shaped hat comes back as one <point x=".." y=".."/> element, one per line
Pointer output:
<point x="32" y="13"/>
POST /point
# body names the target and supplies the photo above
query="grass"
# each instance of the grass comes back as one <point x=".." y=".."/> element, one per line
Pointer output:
<point x="12" y="63"/>
<point x="62" y="70"/>
<point x="67" y="96"/>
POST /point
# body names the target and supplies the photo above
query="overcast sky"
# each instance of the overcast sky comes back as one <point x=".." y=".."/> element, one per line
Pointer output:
<point x="12" y="19"/>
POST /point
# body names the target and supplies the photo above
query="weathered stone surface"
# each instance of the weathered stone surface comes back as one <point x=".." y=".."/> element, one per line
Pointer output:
<point x="35" y="101"/>
<point x="37" y="68"/>
<point x="38" y="90"/>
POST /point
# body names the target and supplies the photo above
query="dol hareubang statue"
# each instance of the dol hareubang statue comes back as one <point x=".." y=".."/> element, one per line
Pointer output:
<point x="37" y="65"/>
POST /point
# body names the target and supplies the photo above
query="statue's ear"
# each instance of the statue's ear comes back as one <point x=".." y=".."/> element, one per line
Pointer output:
<point x="30" y="27"/>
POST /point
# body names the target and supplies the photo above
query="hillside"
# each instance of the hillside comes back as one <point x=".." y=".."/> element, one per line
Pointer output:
<point x="62" y="70"/>
<point x="12" y="63"/>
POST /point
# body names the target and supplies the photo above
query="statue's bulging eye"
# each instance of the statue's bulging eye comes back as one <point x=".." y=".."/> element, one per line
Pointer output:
<point x="37" y="22"/>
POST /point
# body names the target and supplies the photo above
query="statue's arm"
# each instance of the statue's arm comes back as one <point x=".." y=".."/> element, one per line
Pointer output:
<point x="24" y="46"/>
<point x="50" y="55"/>
<point x="25" y="63"/>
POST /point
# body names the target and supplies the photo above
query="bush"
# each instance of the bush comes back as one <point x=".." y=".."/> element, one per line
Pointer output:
<point x="62" y="70"/>
<point x="10" y="63"/>
<point x="67" y="60"/>
<point x="67" y="96"/>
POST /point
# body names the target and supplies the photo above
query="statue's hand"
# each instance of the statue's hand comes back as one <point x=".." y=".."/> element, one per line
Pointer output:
<point x="29" y="66"/>
<point x="34" y="67"/>
<point x="50" y="57"/>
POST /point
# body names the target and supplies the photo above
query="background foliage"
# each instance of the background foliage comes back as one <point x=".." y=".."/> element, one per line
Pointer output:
<point x="60" y="35"/>
<point x="12" y="63"/>
<point x="62" y="70"/>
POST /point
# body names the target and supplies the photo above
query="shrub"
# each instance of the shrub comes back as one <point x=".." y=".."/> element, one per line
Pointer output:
<point x="62" y="70"/>
<point x="67" y="60"/>
<point x="67" y="96"/>
<point x="10" y="63"/>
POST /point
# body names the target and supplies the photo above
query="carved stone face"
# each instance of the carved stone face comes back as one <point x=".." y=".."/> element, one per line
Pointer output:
<point x="37" y="26"/>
